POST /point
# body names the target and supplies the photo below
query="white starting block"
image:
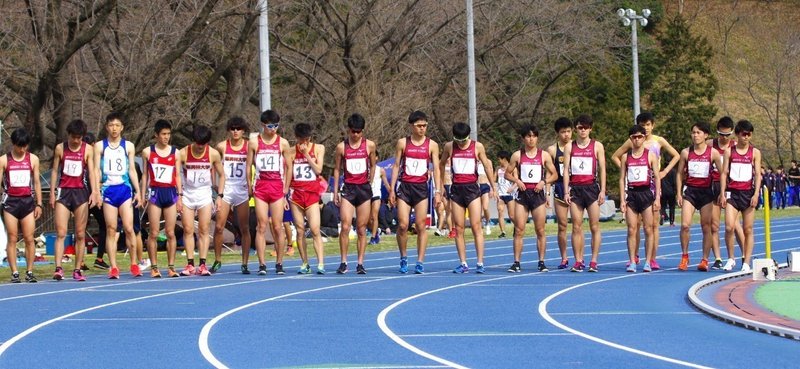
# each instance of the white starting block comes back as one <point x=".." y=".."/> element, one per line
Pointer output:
<point x="764" y="269"/>
<point x="794" y="261"/>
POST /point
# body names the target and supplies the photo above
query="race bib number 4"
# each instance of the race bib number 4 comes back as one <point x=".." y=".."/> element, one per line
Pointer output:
<point x="581" y="166"/>
<point x="267" y="162"/>
<point x="19" y="178"/>
<point x="464" y="165"/>
<point x="530" y="173"/>
<point x="741" y="172"/>
<point x="73" y="168"/>
<point x="637" y="173"/>
<point x="356" y="166"/>
<point x="162" y="173"/>
<point x="416" y="167"/>
<point x="698" y="169"/>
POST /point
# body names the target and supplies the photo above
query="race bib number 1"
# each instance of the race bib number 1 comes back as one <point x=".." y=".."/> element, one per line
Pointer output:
<point x="73" y="168"/>
<point x="356" y="166"/>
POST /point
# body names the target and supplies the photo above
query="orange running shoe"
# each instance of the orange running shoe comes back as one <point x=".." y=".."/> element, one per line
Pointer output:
<point x="684" y="262"/>
<point x="703" y="266"/>
<point x="155" y="273"/>
<point x="172" y="273"/>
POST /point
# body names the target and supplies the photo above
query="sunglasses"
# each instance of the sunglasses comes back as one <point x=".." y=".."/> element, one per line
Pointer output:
<point x="724" y="134"/>
<point x="745" y="134"/>
<point x="272" y="126"/>
<point x="237" y="129"/>
<point x="637" y="137"/>
<point x="456" y="139"/>
<point x="581" y="128"/>
<point x="356" y="131"/>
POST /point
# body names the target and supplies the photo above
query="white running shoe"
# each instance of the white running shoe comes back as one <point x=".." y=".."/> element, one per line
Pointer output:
<point x="746" y="267"/>
<point x="729" y="265"/>
<point x="488" y="230"/>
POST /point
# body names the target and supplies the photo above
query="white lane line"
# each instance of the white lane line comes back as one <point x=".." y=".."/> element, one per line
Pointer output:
<point x="128" y="319"/>
<point x="335" y="300"/>
<point x="630" y="313"/>
<point x="202" y="340"/>
<point x="478" y="334"/>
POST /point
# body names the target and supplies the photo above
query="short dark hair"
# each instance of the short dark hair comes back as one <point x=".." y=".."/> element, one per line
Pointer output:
<point x="89" y="138"/>
<point x="115" y="115"/>
<point x="236" y="122"/>
<point x="461" y="130"/>
<point x="302" y="130"/>
<point x="725" y="122"/>
<point x="561" y="123"/>
<point x="76" y="127"/>
<point x="636" y="128"/>
<point x="356" y="121"/>
<point x="20" y="137"/>
<point x="528" y="128"/>
<point x="644" y="117"/>
<point x="584" y="120"/>
<point x="703" y="126"/>
<point x="162" y="124"/>
<point x="503" y="154"/>
<point x="794" y="161"/>
<point x="270" y="116"/>
<point x="743" y="126"/>
<point x="201" y="135"/>
<point x="417" y="116"/>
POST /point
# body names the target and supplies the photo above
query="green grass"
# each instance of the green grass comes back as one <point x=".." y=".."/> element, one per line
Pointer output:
<point x="781" y="297"/>
<point x="232" y="260"/>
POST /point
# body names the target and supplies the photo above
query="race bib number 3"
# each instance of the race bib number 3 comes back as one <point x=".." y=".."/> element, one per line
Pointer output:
<point x="73" y="168"/>
<point x="303" y="173"/>
<point x="698" y="169"/>
<point x="416" y="167"/>
<point x="19" y="178"/>
<point x="463" y="166"/>
<point x="530" y="173"/>
<point x="637" y="173"/>
<point x="356" y="166"/>
<point x="162" y="173"/>
<point x="741" y="172"/>
<point x="581" y="166"/>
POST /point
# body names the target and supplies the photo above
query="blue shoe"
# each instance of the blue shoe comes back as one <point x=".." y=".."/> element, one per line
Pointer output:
<point x="304" y="269"/>
<point x="480" y="269"/>
<point x="461" y="269"/>
<point x="320" y="269"/>
<point x="377" y="238"/>
<point x="419" y="269"/>
<point x="404" y="265"/>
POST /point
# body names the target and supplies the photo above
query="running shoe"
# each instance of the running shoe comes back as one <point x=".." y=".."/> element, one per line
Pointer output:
<point x="84" y="267"/>
<point x="279" y="269"/>
<point x="480" y="269"/>
<point x="342" y="268"/>
<point x="438" y="232"/>
<point x="203" y="270"/>
<point x="360" y="269"/>
<point x="746" y="268"/>
<point x="100" y="264"/>
<point x="684" y="262"/>
<point x="419" y="269"/>
<point x="647" y="268"/>
<point x="290" y="250"/>
<point x="321" y="269"/>
<point x="188" y="270"/>
<point x="717" y="264"/>
<point x="502" y="235"/>
<point x="654" y="265"/>
<point x="15" y="277"/>
<point x="404" y="265"/>
<point x="78" y="276"/>
<point x="631" y="268"/>
<point x="304" y="269"/>
<point x="59" y="274"/>
<point x="144" y="264"/>
<point x="703" y="266"/>
<point x="245" y="270"/>
<point x="542" y="267"/>
<point x="30" y="278"/>
<point x="461" y="269"/>
<point x="636" y="258"/>
<point x="172" y="273"/>
<point x="373" y="240"/>
<point x="452" y="233"/>
<point x="216" y="266"/>
<point x="155" y="273"/>
<point x="135" y="271"/>
<point x="113" y="273"/>
<point x="515" y="268"/>
<point x="593" y="267"/>
<point x="564" y="264"/>
<point x="729" y="265"/>
<point x="262" y="269"/>
<point x="578" y="267"/>
<point x="488" y="230"/>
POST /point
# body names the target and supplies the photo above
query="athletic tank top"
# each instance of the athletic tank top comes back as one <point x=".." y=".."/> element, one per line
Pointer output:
<point x="530" y="168"/>
<point x="583" y="164"/>
<point x="415" y="161"/>
<point x="161" y="169"/>
<point x="269" y="160"/>
<point x="715" y="174"/>
<point x="73" y="167"/>
<point x="463" y="164"/>
<point x="17" y="176"/>
<point x="235" y="164"/>
<point x="559" y="160"/>
<point x="114" y="165"/>
<point x="355" y="163"/>
<point x="303" y="176"/>
<point x="197" y="170"/>
<point x="740" y="174"/>
<point x="639" y="172"/>
<point x="698" y="168"/>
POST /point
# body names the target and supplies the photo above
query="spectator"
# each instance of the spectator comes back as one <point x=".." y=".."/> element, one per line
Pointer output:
<point x="780" y="183"/>
<point x="668" y="197"/>
<point x="794" y="184"/>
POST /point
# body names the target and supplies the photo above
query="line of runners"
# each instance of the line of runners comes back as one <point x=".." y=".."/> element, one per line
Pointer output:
<point x="265" y="169"/>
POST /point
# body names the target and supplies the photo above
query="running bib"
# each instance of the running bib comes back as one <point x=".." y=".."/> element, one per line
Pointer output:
<point x="198" y="177"/>
<point x="268" y="162"/>
<point x="19" y="178"/>
<point x="416" y="167"/>
<point x="481" y="170"/>
<point x="464" y="166"/>
<point x="581" y="166"/>
<point x="73" y="168"/>
<point x="741" y="172"/>
<point x="234" y="170"/>
<point x="114" y="162"/>
<point x="637" y="173"/>
<point x="356" y="166"/>
<point x="162" y="173"/>
<point x="698" y="169"/>
<point x="530" y="173"/>
<point x="302" y="172"/>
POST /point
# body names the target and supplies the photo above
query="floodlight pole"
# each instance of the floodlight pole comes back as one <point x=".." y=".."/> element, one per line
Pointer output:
<point x="263" y="54"/>
<point x="629" y="17"/>
<point x="473" y="108"/>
